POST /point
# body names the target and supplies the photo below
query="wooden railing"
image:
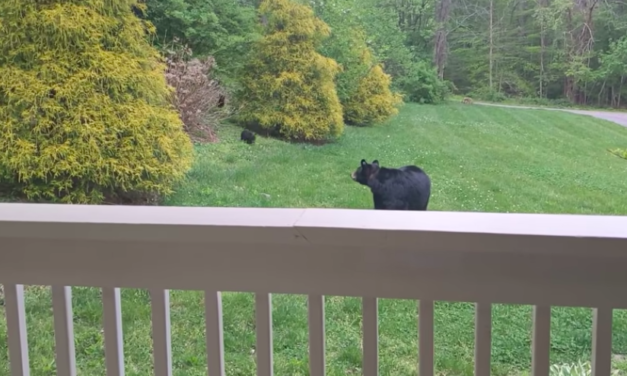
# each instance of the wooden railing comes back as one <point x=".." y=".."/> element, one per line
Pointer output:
<point x="540" y="260"/>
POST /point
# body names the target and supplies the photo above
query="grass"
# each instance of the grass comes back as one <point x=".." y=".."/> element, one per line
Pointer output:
<point x="480" y="159"/>
<point x="542" y="102"/>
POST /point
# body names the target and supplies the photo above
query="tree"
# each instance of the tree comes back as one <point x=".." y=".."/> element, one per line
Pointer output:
<point x="345" y="45"/>
<point x="372" y="101"/>
<point x="440" y="44"/>
<point x="223" y="29"/>
<point x="85" y="110"/>
<point x="287" y="86"/>
<point x="348" y="46"/>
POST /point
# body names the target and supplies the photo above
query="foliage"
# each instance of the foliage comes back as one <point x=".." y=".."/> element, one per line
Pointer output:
<point x="575" y="369"/>
<point x="362" y="86"/>
<point x="420" y="84"/>
<point x="346" y="48"/>
<point x="198" y="97"/>
<point x="374" y="24"/>
<point x="546" y="49"/>
<point x="223" y="29"/>
<point x="484" y="93"/>
<point x="372" y="101"/>
<point x="287" y="86"/>
<point x="84" y="104"/>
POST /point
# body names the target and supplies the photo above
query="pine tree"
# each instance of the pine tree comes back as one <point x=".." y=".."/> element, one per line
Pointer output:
<point x="287" y="86"/>
<point x="372" y="101"/>
<point x="85" y="110"/>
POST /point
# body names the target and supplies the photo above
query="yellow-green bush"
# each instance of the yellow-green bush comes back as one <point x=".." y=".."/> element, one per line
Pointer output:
<point x="84" y="106"/>
<point x="372" y="101"/>
<point x="287" y="86"/>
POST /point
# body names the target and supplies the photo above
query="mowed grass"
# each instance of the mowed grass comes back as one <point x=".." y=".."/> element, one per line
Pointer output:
<point x="479" y="158"/>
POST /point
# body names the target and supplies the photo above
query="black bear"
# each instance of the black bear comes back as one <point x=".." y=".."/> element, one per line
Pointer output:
<point x="405" y="188"/>
<point x="247" y="136"/>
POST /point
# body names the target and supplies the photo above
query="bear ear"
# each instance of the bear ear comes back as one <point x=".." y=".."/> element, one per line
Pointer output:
<point x="375" y="162"/>
<point x="363" y="162"/>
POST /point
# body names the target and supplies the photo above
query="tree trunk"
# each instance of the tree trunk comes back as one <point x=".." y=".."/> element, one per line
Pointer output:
<point x="491" y="55"/>
<point x="620" y="91"/>
<point x="440" y="44"/>
<point x="581" y="44"/>
<point x="543" y="5"/>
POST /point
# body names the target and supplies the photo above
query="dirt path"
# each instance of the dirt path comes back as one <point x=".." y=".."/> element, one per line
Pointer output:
<point x="616" y="117"/>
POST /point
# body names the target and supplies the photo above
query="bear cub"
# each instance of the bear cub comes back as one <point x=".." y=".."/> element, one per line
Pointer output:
<point x="248" y="137"/>
<point x="405" y="188"/>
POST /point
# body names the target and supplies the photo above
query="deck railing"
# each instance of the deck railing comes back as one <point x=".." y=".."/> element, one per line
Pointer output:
<point x="540" y="260"/>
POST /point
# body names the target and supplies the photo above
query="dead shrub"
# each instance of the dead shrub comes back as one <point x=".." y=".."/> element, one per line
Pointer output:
<point x="201" y="101"/>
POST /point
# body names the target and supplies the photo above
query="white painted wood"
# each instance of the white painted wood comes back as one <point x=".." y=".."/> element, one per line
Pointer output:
<point x="114" y="345"/>
<point x="501" y="258"/>
<point x="425" y="338"/>
<point x="315" y="305"/>
<point x="57" y="221"/>
<point x="215" y="336"/>
<point x="483" y="338"/>
<point x="531" y="259"/>
<point x="602" y="342"/>
<point x="64" y="330"/>
<point x="161" y="340"/>
<point x="541" y="341"/>
<point x="263" y="314"/>
<point x="16" y="329"/>
<point x="370" y="329"/>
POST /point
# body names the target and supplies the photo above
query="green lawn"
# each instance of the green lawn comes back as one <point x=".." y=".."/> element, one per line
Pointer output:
<point x="479" y="158"/>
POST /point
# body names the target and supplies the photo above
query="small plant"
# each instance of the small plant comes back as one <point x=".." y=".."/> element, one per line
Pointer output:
<point x="199" y="99"/>
<point x="621" y="153"/>
<point x="574" y="369"/>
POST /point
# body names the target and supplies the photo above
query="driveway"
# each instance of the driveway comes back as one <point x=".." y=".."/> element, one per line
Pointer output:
<point x="615" y="117"/>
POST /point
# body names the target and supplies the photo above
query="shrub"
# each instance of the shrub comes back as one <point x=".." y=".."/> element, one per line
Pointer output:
<point x="420" y="84"/>
<point x="372" y="101"/>
<point x="84" y="104"/>
<point x="489" y="95"/>
<point x="287" y="86"/>
<point x="199" y="99"/>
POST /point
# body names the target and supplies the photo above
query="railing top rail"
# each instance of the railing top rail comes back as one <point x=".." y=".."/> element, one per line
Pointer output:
<point x="511" y="258"/>
<point x="12" y="216"/>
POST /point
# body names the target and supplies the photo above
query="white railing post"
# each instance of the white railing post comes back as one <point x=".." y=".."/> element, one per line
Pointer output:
<point x="602" y="342"/>
<point x="161" y="332"/>
<point x="263" y="313"/>
<point x="541" y="341"/>
<point x="425" y="338"/>
<point x="315" y="307"/>
<point x="64" y="330"/>
<point x="16" y="329"/>
<point x="215" y="336"/>
<point x="370" y="329"/>
<point x="483" y="338"/>
<point x="114" y="345"/>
